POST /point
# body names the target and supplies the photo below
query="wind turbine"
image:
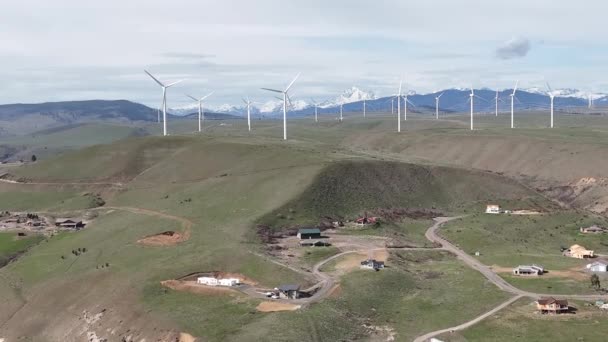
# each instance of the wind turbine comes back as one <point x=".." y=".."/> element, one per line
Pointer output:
<point x="405" y="102"/>
<point x="285" y="98"/>
<point x="341" y="108"/>
<point x="248" y="103"/>
<point x="472" y="96"/>
<point x="201" y="114"/>
<point x="164" y="104"/>
<point x="552" y="97"/>
<point x="513" y="102"/>
<point x="399" y="107"/>
<point x="496" y="99"/>
<point x="314" y="103"/>
<point x="437" y="106"/>
<point x="392" y="106"/>
<point x="364" y="108"/>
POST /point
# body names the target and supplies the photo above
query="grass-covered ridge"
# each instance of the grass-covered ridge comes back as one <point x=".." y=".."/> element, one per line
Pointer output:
<point x="348" y="188"/>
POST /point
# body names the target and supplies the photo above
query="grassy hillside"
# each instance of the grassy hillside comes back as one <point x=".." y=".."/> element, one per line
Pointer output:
<point x="519" y="323"/>
<point x="116" y="162"/>
<point x="349" y="188"/>
<point x="227" y="180"/>
<point x="11" y="245"/>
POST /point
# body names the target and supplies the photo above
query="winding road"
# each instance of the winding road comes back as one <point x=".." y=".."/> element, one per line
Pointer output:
<point x="326" y="283"/>
<point x="431" y="234"/>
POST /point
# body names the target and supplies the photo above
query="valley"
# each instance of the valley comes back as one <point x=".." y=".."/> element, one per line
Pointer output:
<point x="216" y="189"/>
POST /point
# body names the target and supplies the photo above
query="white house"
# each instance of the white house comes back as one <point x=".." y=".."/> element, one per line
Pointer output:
<point x="492" y="209"/>
<point x="524" y="270"/>
<point x="210" y="281"/>
<point x="229" y="282"/>
<point x="597" y="266"/>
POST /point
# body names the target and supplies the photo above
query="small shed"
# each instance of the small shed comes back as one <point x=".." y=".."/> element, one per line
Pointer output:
<point x="289" y="291"/>
<point x="492" y="209"/>
<point x="598" y="266"/>
<point x="595" y="229"/>
<point x="309" y="233"/>
<point x="69" y="223"/>
<point x="372" y="264"/>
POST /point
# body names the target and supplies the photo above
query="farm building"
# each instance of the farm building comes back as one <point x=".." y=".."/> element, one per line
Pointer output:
<point x="289" y="291"/>
<point x="528" y="270"/>
<point x="362" y="221"/>
<point x="68" y="223"/>
<point x="372" y="264"/>
<point x="552" y="305"/>
<point x="592" y="230"/>
<point x="309" y="233"/>
<point x="314" y="243"/>
<point x="579" y="252"/>
<point x="211" y="281"/>
<point x="492" y="209"/>
<point x="598" y="266"/>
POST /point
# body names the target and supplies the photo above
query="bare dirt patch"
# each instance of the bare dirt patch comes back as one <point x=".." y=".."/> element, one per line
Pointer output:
<point x="276" y="306"/>
<point x="525" y="212"/>
<point x="168" y="238"/>
<point x="193" y="287"/>
<point x="336" y="291"/>
<point x="185" y="337"/>
<point x="352" y="261"/>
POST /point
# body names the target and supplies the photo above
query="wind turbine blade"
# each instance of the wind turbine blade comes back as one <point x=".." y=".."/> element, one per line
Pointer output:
<point x="549" y="87"/>
<point x="289" y="100"/>
<point x="174" y="83"/>
<point x="204" y="97"/>
<point x="278" y="98"/>
<point x="481" y="98"/>
<point x="273" y="90"/>
<point x="154" y="78"/>
<point x="292" y="82"/>
<point x="515" y="89"/>
<point x="440" y="95"/>
<point x="517" y="99"/>
<point x="400" y="84"/>
<point x="410" y="102"/>
<point x="192" y="97"/>
<point x="246" y="102"/>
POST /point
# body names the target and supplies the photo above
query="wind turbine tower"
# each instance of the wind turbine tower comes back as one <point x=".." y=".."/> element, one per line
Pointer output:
<point x="248" y="103"/>
<point x="552" y="97"/>
<point x="399" y="107"/>
<point x="496" y="99"/>
<point x="341" y="108"/>
<point x="437" y="106"/>
<point x="472" y="96"/>
<point x="164" y="104"/>
<point x="285" y="99"/>
<point x="201" y="114"/>
<point x="314" y="103"/>
<point x="513" y="103"/>
<point x="364" y="108"/>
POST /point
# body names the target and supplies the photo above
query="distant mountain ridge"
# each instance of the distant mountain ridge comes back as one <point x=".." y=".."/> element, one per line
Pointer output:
<point x="19" y="118"/>
<point x="452" y="100"/>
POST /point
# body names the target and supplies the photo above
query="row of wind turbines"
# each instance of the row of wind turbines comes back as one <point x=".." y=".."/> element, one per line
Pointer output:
<point x="287" y="102"/>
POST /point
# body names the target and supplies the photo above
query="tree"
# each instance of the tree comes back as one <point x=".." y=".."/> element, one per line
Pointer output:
<point x="595" y="282"/>
<point x="34" y="158"/>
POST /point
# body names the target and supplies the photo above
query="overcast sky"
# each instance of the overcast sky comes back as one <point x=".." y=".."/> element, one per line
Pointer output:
<point x="74" y="49"/>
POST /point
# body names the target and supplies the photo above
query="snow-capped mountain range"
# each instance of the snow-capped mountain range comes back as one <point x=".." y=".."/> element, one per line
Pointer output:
<point x="452" y="100"/>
